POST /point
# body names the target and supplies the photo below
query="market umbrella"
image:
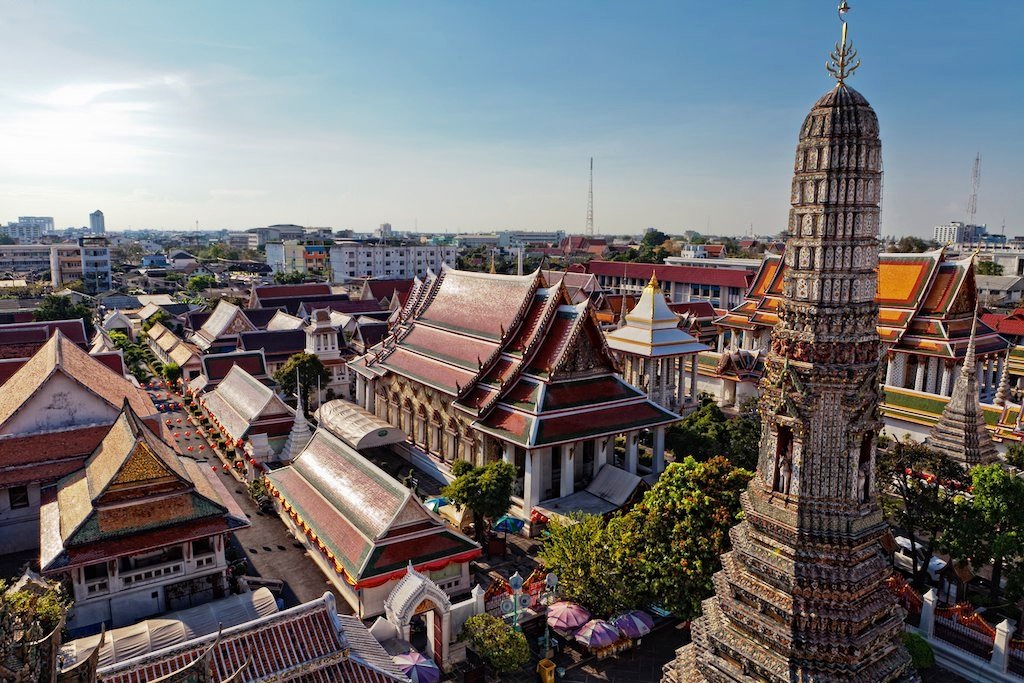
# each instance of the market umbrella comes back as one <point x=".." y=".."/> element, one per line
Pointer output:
<point x="435" y="503"/>
<point x="509" y="524"/>
<point x="417" y="667"/>
<point x="597" y="633"/>
<point x="566" y="616"/>
<point x="634" y="624"/>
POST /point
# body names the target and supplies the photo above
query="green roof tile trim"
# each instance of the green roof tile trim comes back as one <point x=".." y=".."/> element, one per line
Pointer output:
<point x="922" y="404"/>
<point x="462" y="545"/>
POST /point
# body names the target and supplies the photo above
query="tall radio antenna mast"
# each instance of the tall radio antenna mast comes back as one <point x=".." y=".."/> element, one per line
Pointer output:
<point x="590" y="202"/>
<point x="972" y="201"/>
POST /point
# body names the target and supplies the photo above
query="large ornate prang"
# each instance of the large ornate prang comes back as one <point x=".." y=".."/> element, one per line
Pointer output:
<point x="802" y="594"/>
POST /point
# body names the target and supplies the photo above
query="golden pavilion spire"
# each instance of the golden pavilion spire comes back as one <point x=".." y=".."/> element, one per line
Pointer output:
<point x="842" y="64"/>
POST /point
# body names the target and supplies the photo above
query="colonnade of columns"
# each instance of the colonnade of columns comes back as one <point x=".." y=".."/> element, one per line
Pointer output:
<point x="664" y="379"/>
<point x="538" y="464"/>
<point x="934" y="375"/>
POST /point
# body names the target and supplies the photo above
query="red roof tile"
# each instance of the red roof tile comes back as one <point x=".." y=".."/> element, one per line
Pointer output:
<point x="19" y="451"/>
<point x="606" y="421"/>
<point x="112" y="359"/>
<point x="724" y="277"/>
<point x="292" y="291"/>
<point x="562" y="395"/>
<point x="480" y="304"/>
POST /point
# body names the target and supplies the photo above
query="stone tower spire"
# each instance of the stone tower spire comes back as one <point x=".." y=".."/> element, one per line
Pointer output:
<point x="802" y="594"/>
<point x="960" y="432"/>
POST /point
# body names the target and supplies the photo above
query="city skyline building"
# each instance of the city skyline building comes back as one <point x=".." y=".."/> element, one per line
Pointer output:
<point x="97" y="224"/>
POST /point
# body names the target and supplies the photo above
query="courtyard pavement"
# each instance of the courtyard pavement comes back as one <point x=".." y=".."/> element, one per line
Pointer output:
<point x="268" y="548"/>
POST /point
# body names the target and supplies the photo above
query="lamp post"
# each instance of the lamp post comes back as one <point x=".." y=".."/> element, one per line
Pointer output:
<point x="519" y="600"/>
<point x="550" y="588"/>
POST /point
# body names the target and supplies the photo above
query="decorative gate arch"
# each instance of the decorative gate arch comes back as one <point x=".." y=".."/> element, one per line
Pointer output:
<point x="416" y="594"/>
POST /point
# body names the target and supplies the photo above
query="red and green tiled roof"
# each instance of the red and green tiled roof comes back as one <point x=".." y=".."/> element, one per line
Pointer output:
<point x="390" y="557"/>
<point x="611" y="420"/>
<point x="573" y="394"/>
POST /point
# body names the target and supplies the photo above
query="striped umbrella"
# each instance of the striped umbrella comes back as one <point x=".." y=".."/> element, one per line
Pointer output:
<point x="634" y="624"/>
<point x="597" y="633"/>
<point x="417" y="667"/>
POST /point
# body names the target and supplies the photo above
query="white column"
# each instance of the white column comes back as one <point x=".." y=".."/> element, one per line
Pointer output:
<point x="632" y="451"/>
<point x="599" y="453"/>
<point x="371" y="397"/>
<point x="922" y="367"/>
<point x="568" y="482"/>
<point x="609" y="452"/>
<point x="652" y="379"/>
<point x="508" y="453"/>
<point x="927" y="625"/>
<point x="1001" y="646"/>
<point x="680" y="381"/>
<point x="890" y="371"/>
<point x="947" y="378"/>
<point x="693" y="378"/>
<point x="659" y="449"/>
<point x="721" y="341"/>
<point x="933" y="375"/>
<point x="531" y="481"/>
<point x="360" y="391"/>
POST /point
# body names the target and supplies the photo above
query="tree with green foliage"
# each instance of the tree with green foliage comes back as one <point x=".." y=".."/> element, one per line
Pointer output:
<point x="310" y="372"/>
<point x="669" y="544"/>
<point x="160" y="316"/>
<point x="6" y="239"/>
<point x="57" y="307"/>
<point x="27" y="616"/>
<point x="217" y="251"/>
<point x="292" y="278"/>
<point x="653" y="238"/>
<point x="503" y="648"/>
<point x="486" y="491"/>
<point x="1015" y="455"/>
<point x="987" y="527"/>
<point x="920" y="484"/>
<point x="172" y="372"/>
<point x="910" y="244"/>
<point x="200" y="283"/>
<point x="988" y="268"/>
<point x="582" y="552"/>
<point x="921" y="654"/>
<point x="707" y="432"/>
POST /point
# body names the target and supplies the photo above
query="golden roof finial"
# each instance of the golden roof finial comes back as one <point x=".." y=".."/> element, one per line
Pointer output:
<point x="654" y="280"/>
<point x="842" y="64"/>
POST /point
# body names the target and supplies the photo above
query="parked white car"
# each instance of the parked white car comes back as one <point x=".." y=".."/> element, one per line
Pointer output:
<point x="903" y="559"/>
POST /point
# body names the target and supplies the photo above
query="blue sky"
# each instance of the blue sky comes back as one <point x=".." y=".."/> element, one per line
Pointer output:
<point x="481" y="116"/>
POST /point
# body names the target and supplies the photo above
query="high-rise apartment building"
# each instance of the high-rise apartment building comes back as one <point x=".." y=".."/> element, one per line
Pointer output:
<point x="28" y="228"/>
<point x="956" y="232"/>
<point x="96" y="223"/>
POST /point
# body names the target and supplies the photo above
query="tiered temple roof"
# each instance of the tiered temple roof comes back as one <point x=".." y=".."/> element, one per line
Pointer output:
<point x="134" y="494"/>
<point x="367" y="525"/>
<point x="652" y="330"/>
<point x="41" y="394"/>
<point x="515" y="356"/>
<point x="242" y="402"/>
<point x="926" y="304"/>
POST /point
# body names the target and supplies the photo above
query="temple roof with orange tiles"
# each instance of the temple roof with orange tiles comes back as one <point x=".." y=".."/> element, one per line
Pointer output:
<point x="926" y="304"/>
<point x="515" y="355"/>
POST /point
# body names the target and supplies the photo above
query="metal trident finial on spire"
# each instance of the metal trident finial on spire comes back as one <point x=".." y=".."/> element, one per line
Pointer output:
<point x="842" y="64"/>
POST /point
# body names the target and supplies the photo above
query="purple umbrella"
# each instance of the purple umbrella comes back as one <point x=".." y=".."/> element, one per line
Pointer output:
<point x="417" y="667"/>
<point x="635" y="624"/>
<point x="597" y="633"/>
<point x="566" y="616"/>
